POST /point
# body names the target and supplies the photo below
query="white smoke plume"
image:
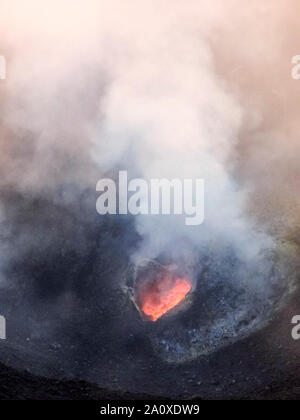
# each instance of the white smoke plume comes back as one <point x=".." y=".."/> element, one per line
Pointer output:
<point x="174" y="90"/>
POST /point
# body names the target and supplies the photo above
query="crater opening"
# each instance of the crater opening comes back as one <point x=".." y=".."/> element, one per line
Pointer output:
<point x="159" y="289"/>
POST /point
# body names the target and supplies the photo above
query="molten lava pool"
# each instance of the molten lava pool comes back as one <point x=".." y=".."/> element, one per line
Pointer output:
<point x="162" y="294"/>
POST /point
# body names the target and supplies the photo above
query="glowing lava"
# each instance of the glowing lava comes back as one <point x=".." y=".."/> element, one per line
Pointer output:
<point x="162" y="295"/>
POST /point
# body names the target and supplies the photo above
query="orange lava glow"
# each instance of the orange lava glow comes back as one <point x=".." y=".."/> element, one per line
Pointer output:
<point x="160" y="297"/>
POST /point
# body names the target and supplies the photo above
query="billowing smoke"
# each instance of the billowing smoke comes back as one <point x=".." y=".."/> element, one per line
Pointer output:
<point x="142" y="82"/>
<point x="162" y="89"/>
